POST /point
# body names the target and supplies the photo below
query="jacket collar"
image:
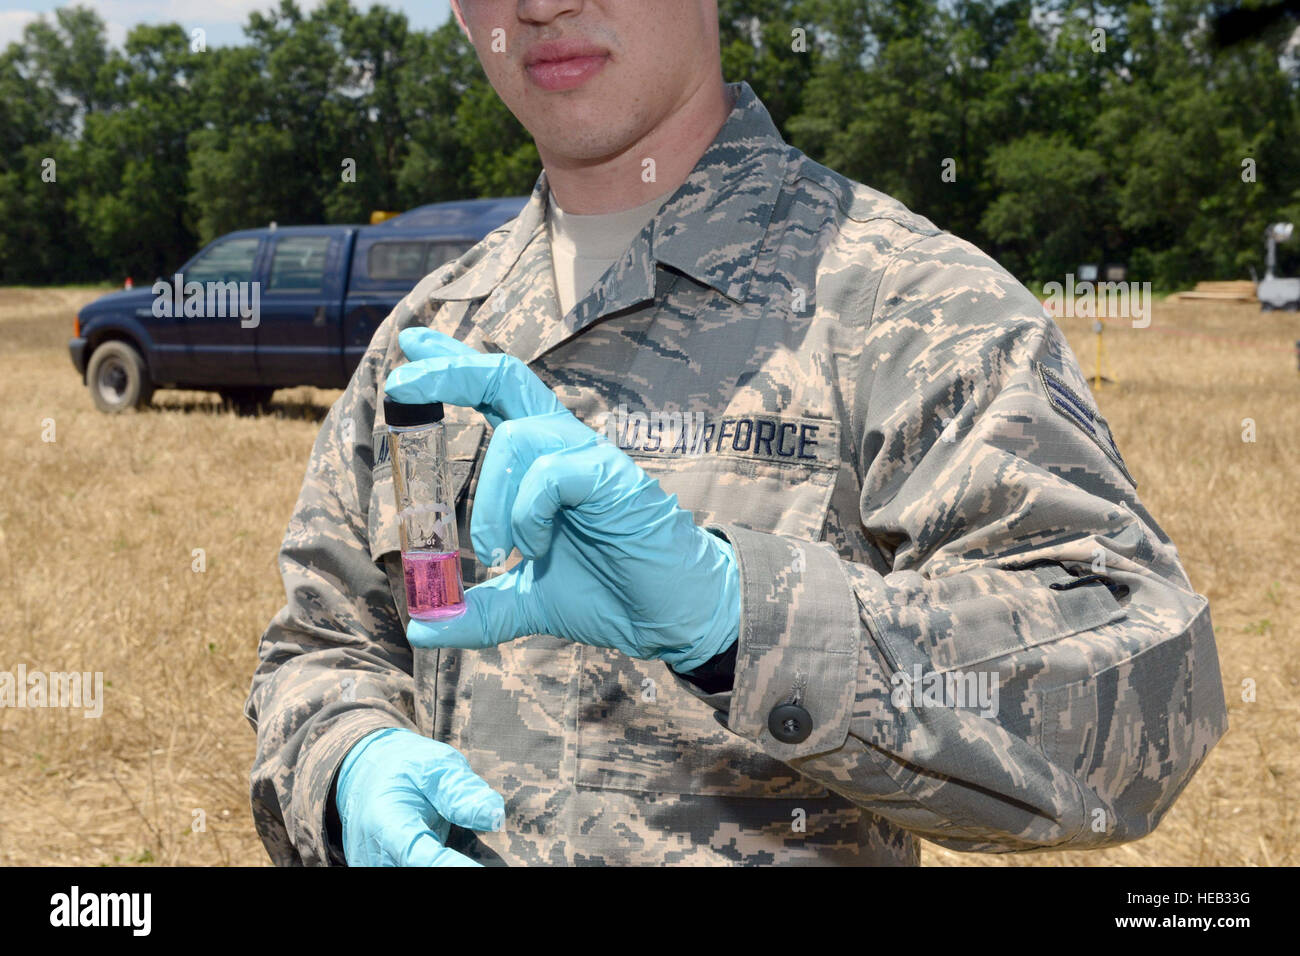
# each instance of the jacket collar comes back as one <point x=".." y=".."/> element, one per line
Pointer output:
<point x="711" y="228"/>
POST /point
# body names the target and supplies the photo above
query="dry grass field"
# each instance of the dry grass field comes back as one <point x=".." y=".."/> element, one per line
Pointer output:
<point x="99" y="526"/>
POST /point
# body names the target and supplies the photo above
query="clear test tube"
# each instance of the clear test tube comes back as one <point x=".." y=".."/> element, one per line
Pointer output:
<point x="426" y="510"/>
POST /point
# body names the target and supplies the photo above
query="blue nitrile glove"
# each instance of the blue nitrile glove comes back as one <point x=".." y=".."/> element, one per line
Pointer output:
<point x="399" y="792"/>
<point x="610" y="560"/>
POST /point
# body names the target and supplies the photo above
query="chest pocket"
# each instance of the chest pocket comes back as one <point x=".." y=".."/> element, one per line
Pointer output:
<point x="638" y="729"/>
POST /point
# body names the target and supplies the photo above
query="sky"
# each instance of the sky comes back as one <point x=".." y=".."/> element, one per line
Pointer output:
<point x="222" y="20"/>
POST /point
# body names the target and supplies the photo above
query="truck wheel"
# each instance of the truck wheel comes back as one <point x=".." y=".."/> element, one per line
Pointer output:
<point x="117" y="378"/>
<point x="247" y="401"/>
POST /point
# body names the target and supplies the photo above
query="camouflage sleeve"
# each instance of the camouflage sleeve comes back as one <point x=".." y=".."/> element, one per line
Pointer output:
<point x="1022" y="662"/>
<point x="334" y="662"/>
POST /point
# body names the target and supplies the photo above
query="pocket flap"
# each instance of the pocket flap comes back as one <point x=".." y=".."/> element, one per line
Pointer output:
<point x="986" y="613"/>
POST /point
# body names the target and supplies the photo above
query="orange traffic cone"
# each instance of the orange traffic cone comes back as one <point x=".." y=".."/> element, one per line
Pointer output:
<point x="129" y="283"/>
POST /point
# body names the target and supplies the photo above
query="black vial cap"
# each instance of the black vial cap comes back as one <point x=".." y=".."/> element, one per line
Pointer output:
<point x="403" y="415"/>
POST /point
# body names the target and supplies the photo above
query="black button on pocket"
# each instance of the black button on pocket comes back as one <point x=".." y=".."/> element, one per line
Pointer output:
<point x="789" y="723"/>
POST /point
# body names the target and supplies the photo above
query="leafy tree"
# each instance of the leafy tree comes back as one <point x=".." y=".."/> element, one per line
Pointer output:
<point x="1049" y="206"/>
<point x="130" y="192"/>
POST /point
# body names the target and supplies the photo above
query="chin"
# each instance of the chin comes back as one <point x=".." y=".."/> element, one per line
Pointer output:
<point x="590" y="138"/>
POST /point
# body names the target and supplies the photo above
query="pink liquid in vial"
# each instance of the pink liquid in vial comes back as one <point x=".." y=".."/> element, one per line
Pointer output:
<point x="433" y="588"/>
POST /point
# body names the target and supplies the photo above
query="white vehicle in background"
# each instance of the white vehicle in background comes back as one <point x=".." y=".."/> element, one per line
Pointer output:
<point x="1274" y="292"/>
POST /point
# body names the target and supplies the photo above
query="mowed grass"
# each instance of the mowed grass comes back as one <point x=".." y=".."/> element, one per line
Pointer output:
<point x="98" y="531"/>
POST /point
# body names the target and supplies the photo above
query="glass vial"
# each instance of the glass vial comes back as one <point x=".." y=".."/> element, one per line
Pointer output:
<point x="426" y="510"/>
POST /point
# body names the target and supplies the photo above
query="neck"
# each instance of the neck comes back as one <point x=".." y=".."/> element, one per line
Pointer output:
<point x="613" y="183"/>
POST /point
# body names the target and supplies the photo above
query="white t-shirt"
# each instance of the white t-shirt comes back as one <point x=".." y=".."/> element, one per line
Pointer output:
<point x="583" y="247"/>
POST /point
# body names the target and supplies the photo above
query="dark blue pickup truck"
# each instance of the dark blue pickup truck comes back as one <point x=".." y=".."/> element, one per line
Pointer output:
<point x="270" y="308"/>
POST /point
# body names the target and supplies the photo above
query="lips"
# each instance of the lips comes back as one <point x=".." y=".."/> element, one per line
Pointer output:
<point x="564" y="64"/>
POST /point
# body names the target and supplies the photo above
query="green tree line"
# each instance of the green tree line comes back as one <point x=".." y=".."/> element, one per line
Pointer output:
<point x="1049" y="133"/>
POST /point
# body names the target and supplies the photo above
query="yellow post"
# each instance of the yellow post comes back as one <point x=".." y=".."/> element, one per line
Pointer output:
<point x="1096" y="376"/>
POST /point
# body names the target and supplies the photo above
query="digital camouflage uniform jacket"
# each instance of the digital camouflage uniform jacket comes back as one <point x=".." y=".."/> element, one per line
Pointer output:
<point x="904" y="454"/>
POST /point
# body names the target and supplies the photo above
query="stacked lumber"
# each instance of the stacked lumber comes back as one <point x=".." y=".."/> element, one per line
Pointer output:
<point x="1237" y="290"/>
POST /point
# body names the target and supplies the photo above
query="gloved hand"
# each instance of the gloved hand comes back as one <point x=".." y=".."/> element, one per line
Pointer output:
<point x="399" y="792"/>
<point x="610" y="560"/>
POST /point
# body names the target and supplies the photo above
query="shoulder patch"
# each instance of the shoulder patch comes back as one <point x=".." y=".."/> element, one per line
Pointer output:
<point x="1070" y="404"/>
